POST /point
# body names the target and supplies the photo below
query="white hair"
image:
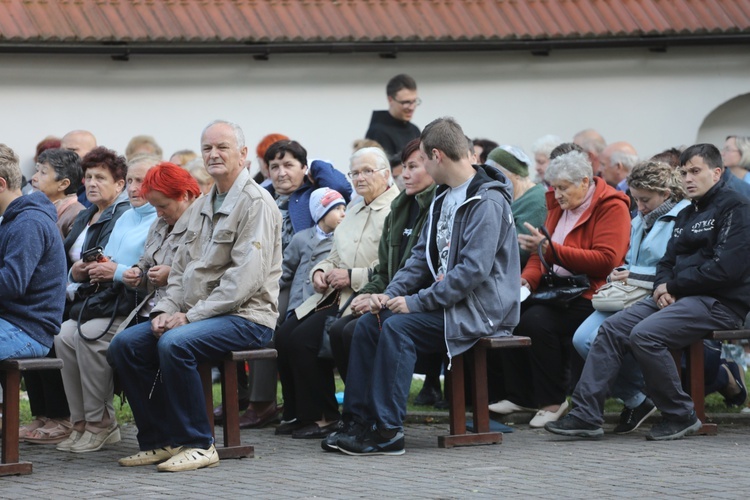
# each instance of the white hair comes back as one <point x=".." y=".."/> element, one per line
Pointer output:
<point x="572" y="167"/>
<point x="238" y="133"/>
<point x="381" y="161"/>
<point x="545" y="144"/>
<point x="626" y="160"/>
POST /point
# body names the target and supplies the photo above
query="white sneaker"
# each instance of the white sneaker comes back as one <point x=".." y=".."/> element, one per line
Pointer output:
<point x="190" y="459"/>
<point x="506" y="407"/>
<point x="543" y="416"/>
<point x="150" y="457"/>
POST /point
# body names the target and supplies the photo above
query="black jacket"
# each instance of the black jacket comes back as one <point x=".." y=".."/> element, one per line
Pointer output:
<point x="98" y="234"/>
<point x="708" y="252"/>
<point x="391" y="133"/>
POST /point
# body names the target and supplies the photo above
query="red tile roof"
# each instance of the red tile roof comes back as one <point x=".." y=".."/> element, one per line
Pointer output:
<point x="350" y="25"/>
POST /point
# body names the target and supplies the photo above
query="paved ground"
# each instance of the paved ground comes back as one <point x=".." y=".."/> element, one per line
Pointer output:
<point x="529" y="463"/>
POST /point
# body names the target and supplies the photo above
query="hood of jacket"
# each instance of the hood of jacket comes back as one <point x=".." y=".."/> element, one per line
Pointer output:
<point x="35" y="201"/>
<point x="487" y="177"/>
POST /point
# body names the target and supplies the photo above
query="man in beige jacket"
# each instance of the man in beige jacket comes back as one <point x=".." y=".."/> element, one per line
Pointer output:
<point x="222" y="296"/>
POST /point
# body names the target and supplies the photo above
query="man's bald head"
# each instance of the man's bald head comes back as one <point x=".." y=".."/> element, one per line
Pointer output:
<point x="618" y="159"/>
<point x="593" y="143"/>
<point x="78" y="141"/>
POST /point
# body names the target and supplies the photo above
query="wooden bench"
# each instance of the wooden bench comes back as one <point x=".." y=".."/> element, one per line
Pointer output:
<point x="233" y="447"/>
<point x="454" y="383"/>
<point x="10" y="378"/>
<point x="694" y="382"/>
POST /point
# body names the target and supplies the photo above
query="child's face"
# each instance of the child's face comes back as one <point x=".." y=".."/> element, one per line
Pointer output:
<point x="334" y="217"/>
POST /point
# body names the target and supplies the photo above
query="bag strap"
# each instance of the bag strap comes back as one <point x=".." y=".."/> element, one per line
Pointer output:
<point x="540" y="252"/>
<point x="111" y="320"/>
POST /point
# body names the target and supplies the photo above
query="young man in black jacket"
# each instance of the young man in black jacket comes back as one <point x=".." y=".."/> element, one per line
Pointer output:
<point x="702" y="284"/>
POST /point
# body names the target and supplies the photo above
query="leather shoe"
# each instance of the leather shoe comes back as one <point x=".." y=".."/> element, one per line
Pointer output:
<point x="286" y="428"/>
<point x="219" y="410"/>
<point x="252" y="420"/>
<point x="428" y="396"/>
<point x="314" y="431"/>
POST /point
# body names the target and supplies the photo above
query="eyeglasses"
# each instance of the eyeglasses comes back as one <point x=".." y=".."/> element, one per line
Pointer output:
<point x="367" y="173"/>
<point x="408" y="104"/>
<point x="729" y="150"/>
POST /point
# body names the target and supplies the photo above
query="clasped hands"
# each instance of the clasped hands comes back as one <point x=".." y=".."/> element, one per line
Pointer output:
<point x="337" y="279"/>
<point x="662" y="297"/>
<point x="164" y="322"/>
<point x="95" y="272"/>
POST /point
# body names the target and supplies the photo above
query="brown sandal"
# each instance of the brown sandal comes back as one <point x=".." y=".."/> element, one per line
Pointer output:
<point x="55" y="431"/>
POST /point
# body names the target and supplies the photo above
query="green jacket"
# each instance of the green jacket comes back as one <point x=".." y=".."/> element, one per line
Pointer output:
<point x="390" y="241"/>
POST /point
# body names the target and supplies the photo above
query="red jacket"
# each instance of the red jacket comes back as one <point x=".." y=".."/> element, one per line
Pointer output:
<point x="596" y="244"/>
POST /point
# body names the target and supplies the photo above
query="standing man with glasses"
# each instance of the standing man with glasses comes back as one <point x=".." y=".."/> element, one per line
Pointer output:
<point x="392" y="128"/>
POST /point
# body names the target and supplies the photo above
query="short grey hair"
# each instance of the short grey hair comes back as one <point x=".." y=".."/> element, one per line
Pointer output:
<point x="545" y="144"/>
<point x="381" y="160"/>
<point x="238" y="133"/>
<point x="572" y="167"/>
<point x="10" y="168"/>
<point x="626" y="160"/>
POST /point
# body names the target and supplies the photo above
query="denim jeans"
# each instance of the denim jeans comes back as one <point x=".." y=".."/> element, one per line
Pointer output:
<point x="628" y="387"/>
<point x="381" y="364"/>
<point x="160" y="376"/>
<point x="15" y="343"/>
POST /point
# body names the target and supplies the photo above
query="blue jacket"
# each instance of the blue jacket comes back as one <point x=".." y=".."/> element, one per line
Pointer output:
<point x="128" y="237"/>
<point x="645" y="253"/>
<point x="325" y="175"/>
<point x="479" y="292"/>
<point x="733" y="182"/>
<point x="32" y="268"/>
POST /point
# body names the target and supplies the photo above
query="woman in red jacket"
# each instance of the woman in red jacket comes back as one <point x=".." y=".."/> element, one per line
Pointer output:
<point x="589" y="222"/>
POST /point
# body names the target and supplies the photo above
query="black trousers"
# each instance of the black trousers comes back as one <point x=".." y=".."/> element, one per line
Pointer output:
<point x="46" y="392"/>
<point x="307" y="382"/>
<point x="547" y="372"/>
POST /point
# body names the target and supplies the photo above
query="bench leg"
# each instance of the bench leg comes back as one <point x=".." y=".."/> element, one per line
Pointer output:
<point x="232" y="444"/>
<point x="696" y="385"/>
<point x="481" y="416"/>
<point x="11" y="381"/>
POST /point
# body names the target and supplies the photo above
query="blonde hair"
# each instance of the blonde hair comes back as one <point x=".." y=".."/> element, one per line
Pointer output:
<point x="658" y="177"/>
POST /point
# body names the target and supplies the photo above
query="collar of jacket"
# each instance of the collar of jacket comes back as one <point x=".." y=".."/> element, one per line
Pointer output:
<point x="379" y="203"/>
<point x="233" y="195"/>
<point x="707" y="198"/>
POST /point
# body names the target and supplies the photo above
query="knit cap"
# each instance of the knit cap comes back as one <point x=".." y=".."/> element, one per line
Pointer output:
<point x="511" y="158"/>
<point x="322" y="200"/>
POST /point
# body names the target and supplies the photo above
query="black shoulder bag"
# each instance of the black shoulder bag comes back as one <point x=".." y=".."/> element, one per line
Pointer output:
<point x="556" y="290"/>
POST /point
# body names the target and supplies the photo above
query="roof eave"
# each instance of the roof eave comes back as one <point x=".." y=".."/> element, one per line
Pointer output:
<point x="385" y="48"/>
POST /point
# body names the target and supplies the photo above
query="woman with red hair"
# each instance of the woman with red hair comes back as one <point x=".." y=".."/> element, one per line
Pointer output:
<point x="170" y="190"/>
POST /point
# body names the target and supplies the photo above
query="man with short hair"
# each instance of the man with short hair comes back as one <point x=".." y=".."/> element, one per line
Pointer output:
<point x="32" y="267"/>
<point x="392" y="128"/>
<point x="617" y="160"/>
<point x="593" y="144"/>
<point x="459" y="285"/>
<point x="223" y="288"/>
<point x="702" y="284"/>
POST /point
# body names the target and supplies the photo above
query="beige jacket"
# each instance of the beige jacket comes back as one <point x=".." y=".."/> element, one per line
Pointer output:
<point x="355" y="247"/>
<point x="230" y="262"/>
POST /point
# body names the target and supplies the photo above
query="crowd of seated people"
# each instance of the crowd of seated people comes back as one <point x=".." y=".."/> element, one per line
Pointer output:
<point x="340" y="244"/>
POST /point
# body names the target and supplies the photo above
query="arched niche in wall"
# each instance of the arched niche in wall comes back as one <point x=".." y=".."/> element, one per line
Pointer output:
<point x="730" y="118"/>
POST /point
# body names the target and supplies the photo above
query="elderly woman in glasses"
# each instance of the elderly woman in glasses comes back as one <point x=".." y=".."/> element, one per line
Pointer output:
<point x="310" y="407"/>
<point x="736" y="156"/>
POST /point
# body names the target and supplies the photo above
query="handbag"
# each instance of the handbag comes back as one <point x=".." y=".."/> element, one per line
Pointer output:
<point x="325" y="351"/>
<point x="617" y="295"/>
<point x="110" y="300"/>
<point x="554" y="289"/>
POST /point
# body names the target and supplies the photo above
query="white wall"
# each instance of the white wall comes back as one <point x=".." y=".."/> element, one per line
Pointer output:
<point x="653" y="100"/>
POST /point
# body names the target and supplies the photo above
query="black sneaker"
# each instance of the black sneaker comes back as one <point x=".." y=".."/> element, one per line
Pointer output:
<point x="349" y="428"/>
<point x="632" y="418"/>
<point x="571" y="425"/>
<point x="371" y="442"/>
<point x="673" y="428"/>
